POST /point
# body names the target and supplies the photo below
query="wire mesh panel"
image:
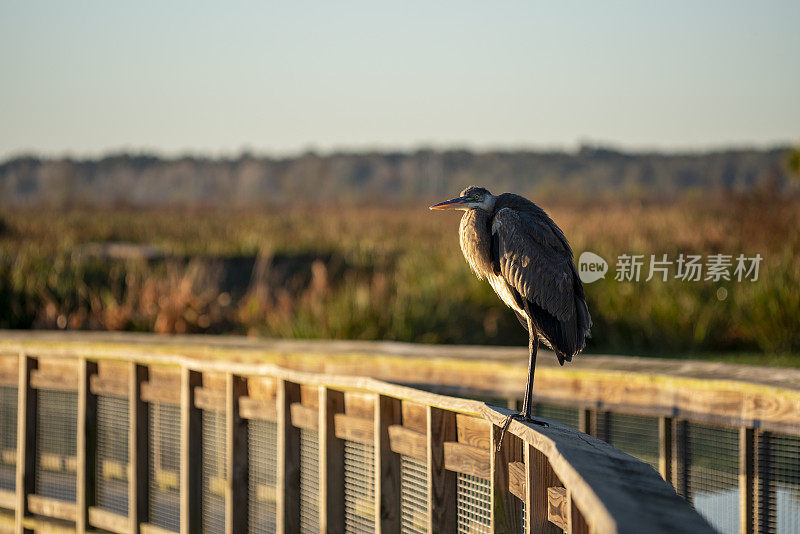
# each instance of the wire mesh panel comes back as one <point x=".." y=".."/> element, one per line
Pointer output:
<point x="56" y="435"/>
<point x="214" y="472"/>
<point x="637" y="435"/>
<point x="309" y="482"/>
<point x="561" y="414"/>
<point x="263" y="451"/>
<point x="8" y="437"/>
<point x="474" y="504"/>
<point x="111" y="489"/>
<point x="713" y="474"/>
<point x="779" y="471"/>
<point x="165" y="438"/>
<point x="359" y="487"/>
<point x="413" y="496"/>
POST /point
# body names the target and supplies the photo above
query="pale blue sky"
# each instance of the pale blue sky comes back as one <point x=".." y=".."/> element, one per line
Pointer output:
<point x="89" y="77"/>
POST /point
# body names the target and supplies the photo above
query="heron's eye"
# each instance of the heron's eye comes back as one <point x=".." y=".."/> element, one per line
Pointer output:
<point x="475" y="197"/>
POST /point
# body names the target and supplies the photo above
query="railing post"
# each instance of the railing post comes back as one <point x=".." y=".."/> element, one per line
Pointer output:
<point x="538" y="477"/>
<point x="442" y="511"/>
<point x="236" y="456"/>
<point x="288" y="475"/>
<point x="764" y="491"/>
<point x="26" y="439"/>
<point x="576" y="523"/>
<point x="191" y="453"/>
<point x="86" y="445"/>
<point x="665" y="448"/>
<point x="506" y="509"/>
<point x="388" y="412"/>
<point x="586" y="421"/>
<point x="680" y="458"/>
<point x="138" y="448"/>
<point x="602" y="425"/>
<point x="746" y="477"/>
<point x="331" y="463"/>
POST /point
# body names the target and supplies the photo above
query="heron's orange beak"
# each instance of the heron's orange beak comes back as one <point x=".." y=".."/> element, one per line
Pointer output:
<point x="450" y="204"/>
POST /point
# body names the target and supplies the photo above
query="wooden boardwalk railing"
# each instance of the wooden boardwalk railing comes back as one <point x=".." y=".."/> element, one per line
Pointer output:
<point x="131" y="441"/>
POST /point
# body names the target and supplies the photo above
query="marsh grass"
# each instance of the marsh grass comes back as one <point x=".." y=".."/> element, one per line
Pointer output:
<point x="395" y="273"/>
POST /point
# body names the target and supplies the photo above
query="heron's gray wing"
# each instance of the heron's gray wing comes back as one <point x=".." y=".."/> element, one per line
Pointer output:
<point x="532" y="259"/>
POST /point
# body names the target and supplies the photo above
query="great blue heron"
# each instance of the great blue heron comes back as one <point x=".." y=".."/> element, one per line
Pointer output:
<point x="517" y="247"/>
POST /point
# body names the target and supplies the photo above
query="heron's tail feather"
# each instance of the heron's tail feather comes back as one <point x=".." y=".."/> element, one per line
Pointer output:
<point x="584" y="323"/>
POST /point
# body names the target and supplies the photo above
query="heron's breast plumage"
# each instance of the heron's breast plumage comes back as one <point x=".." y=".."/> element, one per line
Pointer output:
<point x="475" y="240"/>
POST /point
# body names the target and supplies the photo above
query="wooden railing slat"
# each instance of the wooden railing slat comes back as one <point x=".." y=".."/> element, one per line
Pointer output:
<point x="138" y="448"/>
<point x="506" y="508"/>
<point x="26" y="439"/>
<point x="86" y="444"/>
<point x="288" y="474"/>
<point x="442" y="512"/>
<point x="331" y="470"/>
<point x="388" y="412"/>
<point x="236" y="457"/>
<point x="191" y="453"/>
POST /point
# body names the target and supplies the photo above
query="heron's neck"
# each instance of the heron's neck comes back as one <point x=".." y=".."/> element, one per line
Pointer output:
<point x="475" y="240"/>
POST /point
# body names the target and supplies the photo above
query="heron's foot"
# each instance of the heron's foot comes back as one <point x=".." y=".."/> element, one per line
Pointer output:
<point x="519" y="417"/>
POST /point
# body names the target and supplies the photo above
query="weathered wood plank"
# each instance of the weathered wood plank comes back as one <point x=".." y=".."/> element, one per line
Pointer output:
<point x="54" y="508"/>
<point x="9" y="377"/>
<point x="442" y="506"/>
<point x="236" y="446"/>
<point x="415" y="416"/>
<point x="109" y="521"/>
<point x="506" y="509"/>
<point x="138" y="448"/>
<point x="256" y="408"/>
<point x="288" y="476"/>
<point x="408" y="442"/>
<point x="305" y="417"/>
<point x="331" y="468"/>
<point x="474" y="431"/>
<point x="388" y="412"/>
<point x="557" y="507"/>
<point x="206" y="398"/>
<point x="747" y="477"/>
<point x="577" y="522"/>
<point x="191" y="453"/>
<point x="467" y="459"/>
<point x="359" y="404"/>
<point x="148" y="528"/>
<point x="26" y="439"/>
<point x="8" y="499"/>
<point x="356" y="429"/>
<point x="162" y="392"/>
<point x="66" y="381"/>
<point x="539" y="476"/>
<point x="86" y="444"/>
<point x="113" y="387"/>
<point x="516" y="479"/>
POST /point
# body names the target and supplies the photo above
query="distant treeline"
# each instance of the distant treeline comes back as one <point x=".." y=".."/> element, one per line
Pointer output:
<point x="146" y="180"/>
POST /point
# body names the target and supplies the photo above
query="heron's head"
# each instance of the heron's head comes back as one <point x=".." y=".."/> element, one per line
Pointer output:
<point x="471" y="198"/>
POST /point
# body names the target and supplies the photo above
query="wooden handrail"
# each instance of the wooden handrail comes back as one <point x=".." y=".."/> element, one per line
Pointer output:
<point x="705" y="392"/>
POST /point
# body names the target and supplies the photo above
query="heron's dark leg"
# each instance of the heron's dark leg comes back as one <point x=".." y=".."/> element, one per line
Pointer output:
<point x="533" y="348"/>
<point x="527" y="403"/>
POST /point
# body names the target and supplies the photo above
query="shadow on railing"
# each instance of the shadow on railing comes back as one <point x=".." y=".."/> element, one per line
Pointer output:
<point x="131" y="442"/>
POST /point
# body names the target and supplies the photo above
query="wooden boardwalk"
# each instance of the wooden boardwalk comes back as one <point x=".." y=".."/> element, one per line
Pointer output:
<point x="177" y="435"/>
